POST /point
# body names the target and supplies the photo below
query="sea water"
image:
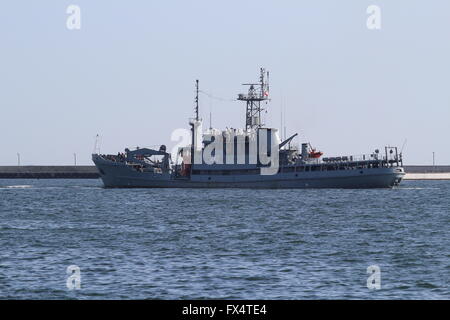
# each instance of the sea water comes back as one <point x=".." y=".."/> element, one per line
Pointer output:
<point x="223" y="243"/>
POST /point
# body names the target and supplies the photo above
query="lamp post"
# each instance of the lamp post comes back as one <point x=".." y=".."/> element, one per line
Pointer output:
<point x="18" y="159"/>
<point x="434" y="162"/>
<point x="75" y="159"/>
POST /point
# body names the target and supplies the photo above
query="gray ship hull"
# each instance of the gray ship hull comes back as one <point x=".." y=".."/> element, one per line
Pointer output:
<point x="119" y="175"/>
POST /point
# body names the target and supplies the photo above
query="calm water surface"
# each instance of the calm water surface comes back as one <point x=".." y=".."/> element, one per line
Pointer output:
<point x="225" y="244"/>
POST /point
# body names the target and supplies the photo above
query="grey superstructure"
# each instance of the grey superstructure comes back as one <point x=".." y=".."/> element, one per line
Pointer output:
<point x="234" y="158"/>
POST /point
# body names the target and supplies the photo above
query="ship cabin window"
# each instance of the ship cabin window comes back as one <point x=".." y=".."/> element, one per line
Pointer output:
<point x="225" y="172"/>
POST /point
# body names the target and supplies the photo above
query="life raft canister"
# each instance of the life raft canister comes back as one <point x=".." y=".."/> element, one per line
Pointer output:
<point x="185" y="169"/>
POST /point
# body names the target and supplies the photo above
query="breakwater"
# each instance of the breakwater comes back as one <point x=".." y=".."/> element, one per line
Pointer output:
<point x="427" y="176"/>
<point x="48" y="172"/>
<point x="427" y="172"/>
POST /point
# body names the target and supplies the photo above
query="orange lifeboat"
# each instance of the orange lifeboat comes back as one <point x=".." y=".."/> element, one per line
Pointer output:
<point x="315" y="154"/>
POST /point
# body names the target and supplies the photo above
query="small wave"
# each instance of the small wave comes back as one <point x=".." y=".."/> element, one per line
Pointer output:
<point x="16" y="187"/>
<point x="86" y="187"/>
<point x="416" y="188"/>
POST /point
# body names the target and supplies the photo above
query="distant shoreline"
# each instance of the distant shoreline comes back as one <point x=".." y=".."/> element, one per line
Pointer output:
<point x="414" y="172"/>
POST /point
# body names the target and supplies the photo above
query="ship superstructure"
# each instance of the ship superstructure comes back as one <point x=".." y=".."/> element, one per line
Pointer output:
<point x="251" y="157"/>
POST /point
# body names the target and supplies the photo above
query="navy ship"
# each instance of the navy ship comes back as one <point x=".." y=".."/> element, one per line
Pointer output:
<point x="251" y="157"/>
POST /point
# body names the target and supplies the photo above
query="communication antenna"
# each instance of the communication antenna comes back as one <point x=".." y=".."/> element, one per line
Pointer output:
<point x="210" y="120"/>
<point x="281" y="119"/>
<point x="210" y="113"/>
<point x="403" y="146"/>
<point x="97" y="144"/>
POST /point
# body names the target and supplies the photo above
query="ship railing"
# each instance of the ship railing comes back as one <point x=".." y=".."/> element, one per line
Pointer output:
<point x="363" y="158"/>
<point x="253" y="96"/>
<point x="112" y="157"/>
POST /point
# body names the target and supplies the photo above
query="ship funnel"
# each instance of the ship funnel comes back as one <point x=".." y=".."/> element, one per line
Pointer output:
<point x="304" y="150"/>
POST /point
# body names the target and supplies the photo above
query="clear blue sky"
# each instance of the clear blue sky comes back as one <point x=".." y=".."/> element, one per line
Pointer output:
<point x="129" y="73"/>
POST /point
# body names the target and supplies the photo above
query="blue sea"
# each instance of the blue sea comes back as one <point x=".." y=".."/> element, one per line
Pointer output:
<point x="223" y="244"/>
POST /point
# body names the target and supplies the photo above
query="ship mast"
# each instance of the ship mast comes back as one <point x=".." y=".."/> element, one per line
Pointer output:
<point x="257" y="93"/>
<point x="194" y="122"/>
<point x="196" y="100"/>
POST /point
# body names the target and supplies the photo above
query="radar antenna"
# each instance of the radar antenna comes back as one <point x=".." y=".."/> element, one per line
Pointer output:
<point x="257" y="93"/>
